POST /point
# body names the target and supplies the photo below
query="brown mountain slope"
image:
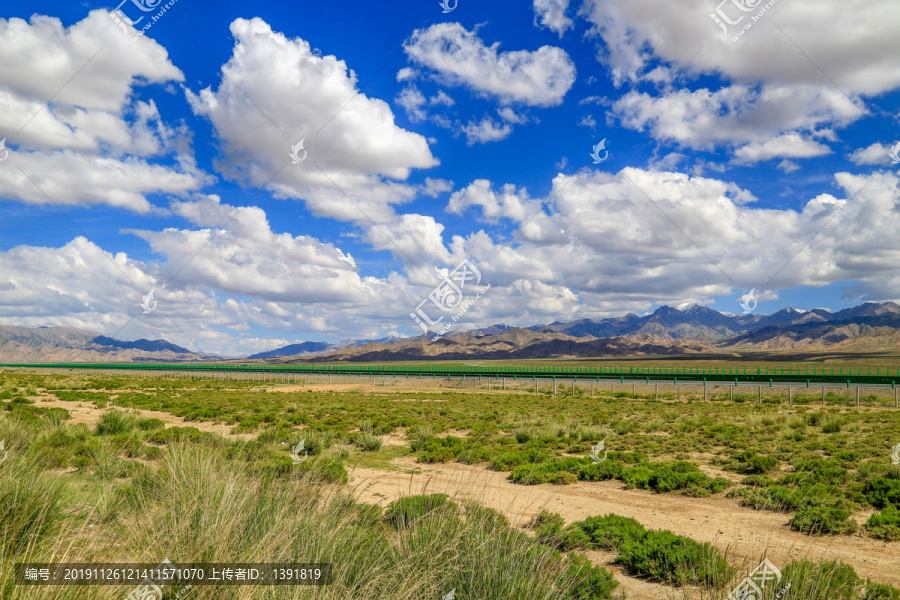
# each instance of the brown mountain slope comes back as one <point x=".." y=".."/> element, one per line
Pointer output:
<point x="514" y="344"/>
<point x="68" y="344"/>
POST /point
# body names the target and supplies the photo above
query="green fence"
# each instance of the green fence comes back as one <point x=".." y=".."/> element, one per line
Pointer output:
<point x="811" y="375"/>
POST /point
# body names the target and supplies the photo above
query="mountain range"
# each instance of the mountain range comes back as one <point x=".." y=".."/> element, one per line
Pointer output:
<point x="688" y="329"/>
<point x="68" y="344"/>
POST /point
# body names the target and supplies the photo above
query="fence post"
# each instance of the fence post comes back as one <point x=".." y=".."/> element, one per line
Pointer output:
<point x="857" y="395"/>
<point x="731" y="393"/>
<point x="657" y="391"/>
<point x="759" y="400"/>
<point x="790" y="395"/>
<point x="823" y="395"/>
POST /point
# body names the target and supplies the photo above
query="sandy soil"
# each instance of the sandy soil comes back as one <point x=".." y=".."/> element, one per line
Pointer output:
<point x="89" y="414"/>
<point x="744" y="535"/>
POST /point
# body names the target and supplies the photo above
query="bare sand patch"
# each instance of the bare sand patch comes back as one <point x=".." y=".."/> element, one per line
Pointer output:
<point x="89" y="415"/>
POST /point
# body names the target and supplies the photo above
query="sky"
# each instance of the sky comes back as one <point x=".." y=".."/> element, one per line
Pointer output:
<point x="235" y="176"/>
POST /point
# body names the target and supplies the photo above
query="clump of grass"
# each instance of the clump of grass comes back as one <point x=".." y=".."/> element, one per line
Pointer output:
<point x="115" y="422"/>
<point x="404" y="512"/>
<point x="368" y="441"/>
<point x="150" y="424"/>
<point x="317" y="441"/>
<point x="834" y="580"/>
<point x="893" y="472"/>
<point x="107" y="464"/>
<point x="31" y="508"/>
<point x="832" y="424"/>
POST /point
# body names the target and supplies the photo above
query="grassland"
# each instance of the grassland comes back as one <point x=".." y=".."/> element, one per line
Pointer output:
<point x="128" y="488"/>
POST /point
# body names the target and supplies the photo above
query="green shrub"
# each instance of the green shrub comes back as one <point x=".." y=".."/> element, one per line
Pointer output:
<point x="881" y="492"/>
<point x="819" y="519"/>
<point x="150" y="424"/>
<point x="784" y="498"/>
<point x="668" y="477"/>
<point x="545" y="518"/>
<point x="563" y="478"/>
<point x="560" y="472"/>
<point x="608" y="469"/>
<point x="674" y="559"/>
<point x="610" y="532"/>
<point x="753" y="463"/>
<point x="548" y="528"/>
<point x="507" y="461"/>
<point x="403" y="512"/>
<point x="885" y="525"/>
<point x="758" y="481"/>
<point x="814" y="471"/>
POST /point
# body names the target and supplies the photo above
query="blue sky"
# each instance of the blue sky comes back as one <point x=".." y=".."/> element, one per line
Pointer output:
<point x="756" y="161"/>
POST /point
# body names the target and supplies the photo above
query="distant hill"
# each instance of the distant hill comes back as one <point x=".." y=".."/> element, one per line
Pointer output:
<point x="819" y="333"/>
<point x="515" y="343"/>
<point x="294" y="350"/>
<point x="68" y="344"/>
